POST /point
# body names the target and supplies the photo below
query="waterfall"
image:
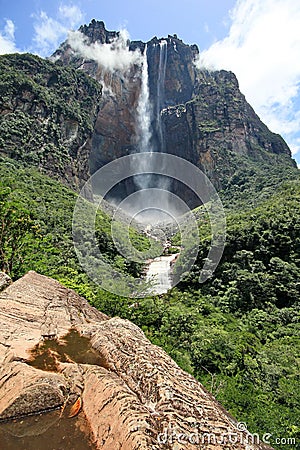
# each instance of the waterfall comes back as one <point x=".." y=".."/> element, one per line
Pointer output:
<point x="144" y="123"/>
<point x="160" y="92"/>
<point x="163" y="182"/>
<point x="149" y="130"/>
<point x="159" y="272"/>
<point x="143" y="109"/>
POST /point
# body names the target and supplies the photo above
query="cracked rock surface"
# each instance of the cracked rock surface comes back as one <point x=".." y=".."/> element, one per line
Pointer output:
<point x="134" y="396"/>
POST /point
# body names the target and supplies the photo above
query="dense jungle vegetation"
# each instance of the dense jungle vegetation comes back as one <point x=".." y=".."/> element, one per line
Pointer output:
<point x="238" y="333"/>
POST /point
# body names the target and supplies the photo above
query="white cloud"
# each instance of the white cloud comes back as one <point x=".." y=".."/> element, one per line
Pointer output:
<point x="206" y="28"/>
<point x="113" y="56"/>
<point x="50" y="32"/>
<point x="9" y="29"/>
<point x="295" y="146"/>
<point x="263" y="50"/>
<point x="7" y="38"/>
<point x="72" y="14"/>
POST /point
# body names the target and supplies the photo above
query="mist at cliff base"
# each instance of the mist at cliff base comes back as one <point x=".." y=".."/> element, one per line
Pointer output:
<point x="153" y="206"/>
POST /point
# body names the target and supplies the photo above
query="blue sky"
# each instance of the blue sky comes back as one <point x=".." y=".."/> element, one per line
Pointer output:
<point x="259" y="40"/>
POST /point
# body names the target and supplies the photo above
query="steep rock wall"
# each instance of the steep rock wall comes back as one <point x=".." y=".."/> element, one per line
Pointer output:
<point x="47" y="115"/>
<point x="196" y="114"/>
<point x="54" y="116"/>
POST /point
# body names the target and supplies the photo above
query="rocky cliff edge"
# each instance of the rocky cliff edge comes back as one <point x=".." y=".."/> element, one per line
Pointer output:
<point x="132" y="394"/>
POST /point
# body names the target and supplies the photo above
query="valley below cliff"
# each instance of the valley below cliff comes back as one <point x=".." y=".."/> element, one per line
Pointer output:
<point x="109" y="149"/>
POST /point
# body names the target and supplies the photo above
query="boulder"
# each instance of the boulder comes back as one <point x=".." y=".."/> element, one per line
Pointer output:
<point x="58" y="352"/>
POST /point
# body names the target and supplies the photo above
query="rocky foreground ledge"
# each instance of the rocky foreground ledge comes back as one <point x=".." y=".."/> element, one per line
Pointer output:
<point x="130" y="392"/>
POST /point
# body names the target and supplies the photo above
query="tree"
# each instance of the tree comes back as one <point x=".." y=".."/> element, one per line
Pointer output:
<point x="16" y="228"/>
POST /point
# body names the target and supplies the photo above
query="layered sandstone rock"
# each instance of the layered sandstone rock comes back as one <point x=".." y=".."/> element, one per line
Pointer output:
<point x="133" y="394"/>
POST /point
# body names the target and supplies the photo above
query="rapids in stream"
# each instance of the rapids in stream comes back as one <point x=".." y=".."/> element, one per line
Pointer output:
<point x="159" y="272"/>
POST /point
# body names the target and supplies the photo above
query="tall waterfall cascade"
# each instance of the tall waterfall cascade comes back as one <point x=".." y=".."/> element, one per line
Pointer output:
<point x="160" y="92"/>
<point x="144" y="123"/>
<point x="150" y="140"/>
<point x="149" y="120"/>
<point x="144" y="109"/>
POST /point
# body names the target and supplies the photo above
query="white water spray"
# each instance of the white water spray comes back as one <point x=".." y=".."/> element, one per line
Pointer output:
<point x="144" y="124"/>
<point x="159" y="272"/>
<point x="143" y="109"/>
<point x="145" y="113"/>
<point x="160" y="91"/>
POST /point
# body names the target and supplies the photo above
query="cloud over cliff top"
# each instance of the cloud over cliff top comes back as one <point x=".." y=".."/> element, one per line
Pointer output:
<point x="112" y="56"/>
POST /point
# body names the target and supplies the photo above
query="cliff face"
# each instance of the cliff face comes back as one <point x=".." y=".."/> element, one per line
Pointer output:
<point x="60" y="357"/>
<point x="198" y="115"/>
<point x="47" y="114"/>
<point x="216" y="123"/>
<point x="114" y="131"/>
<point x="54" y="116"/>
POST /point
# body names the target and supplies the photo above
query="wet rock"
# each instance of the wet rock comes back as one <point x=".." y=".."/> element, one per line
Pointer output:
<point x="25" y="391"/>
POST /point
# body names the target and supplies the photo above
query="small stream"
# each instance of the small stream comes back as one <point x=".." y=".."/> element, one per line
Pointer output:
<point x="159" y="272"/>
